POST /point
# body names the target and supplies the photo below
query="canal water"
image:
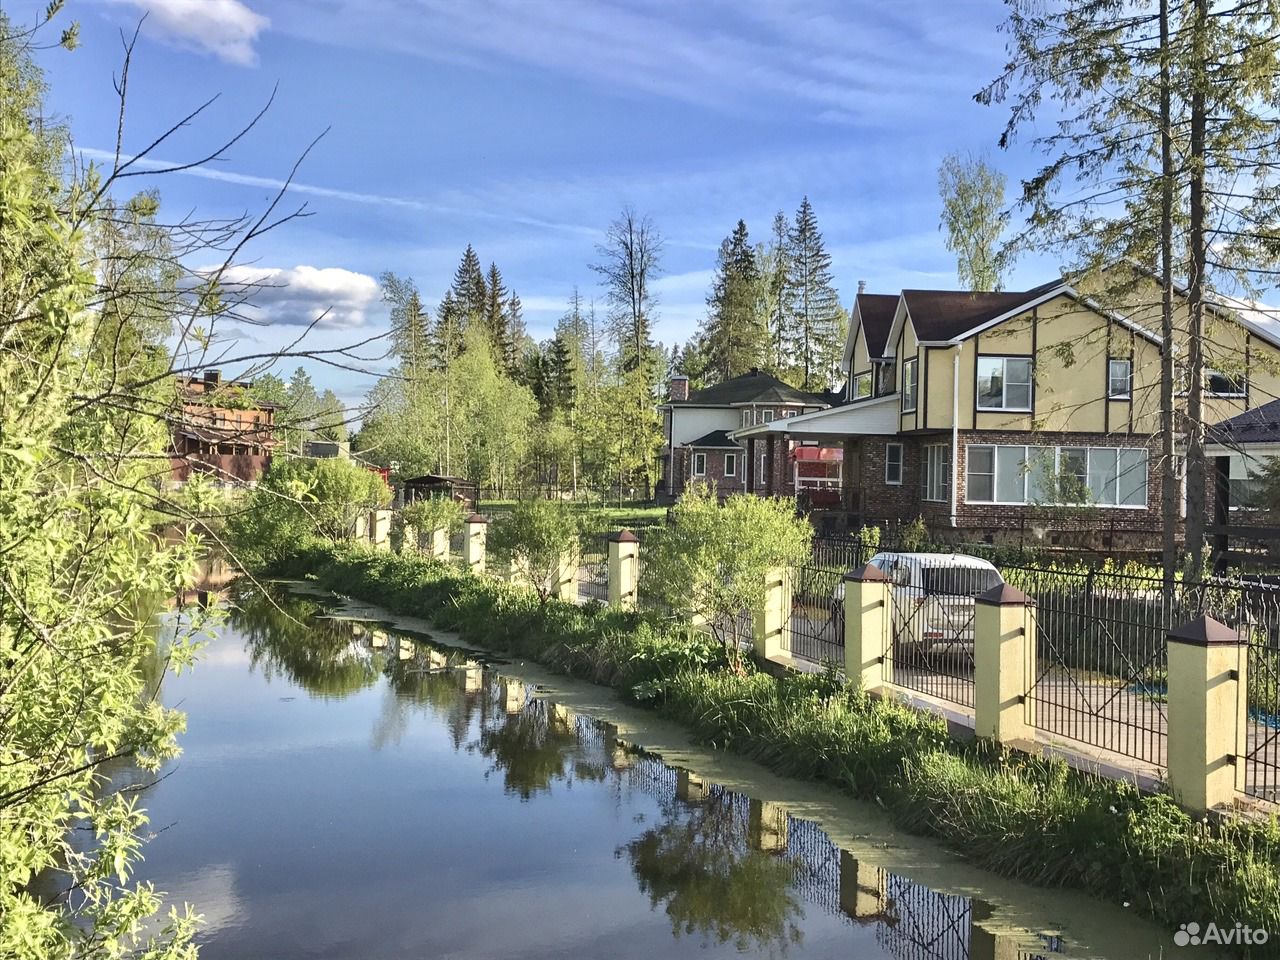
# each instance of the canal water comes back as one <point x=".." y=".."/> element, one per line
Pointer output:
<point x="352" y="790"/>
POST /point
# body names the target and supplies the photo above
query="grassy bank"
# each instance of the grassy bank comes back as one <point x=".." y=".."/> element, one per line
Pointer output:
<point x="1029" y="819"/>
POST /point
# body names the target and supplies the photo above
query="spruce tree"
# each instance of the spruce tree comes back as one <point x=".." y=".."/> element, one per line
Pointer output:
<point x="495" y="314"/>
<point x="449" y="332"/>
<point x="811" y="300"/>
<point x="735" y="333"/>
<point x="773" y="260"/>
<point x="410" y="325"/>
<point x="516" y="336"/>
<point x="468" y="286"/>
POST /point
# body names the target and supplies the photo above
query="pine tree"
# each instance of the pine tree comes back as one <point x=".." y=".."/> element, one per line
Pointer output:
<point x="773" y="261"/>
<point x="495" y="314"/>
<point x="516" y="336"/>
<point x="449" y="333"/>
<point x="811" y="300"/>
<point x="735" y="333"/>
<point x="410" y="325"/>
<point x="468" y="287"/>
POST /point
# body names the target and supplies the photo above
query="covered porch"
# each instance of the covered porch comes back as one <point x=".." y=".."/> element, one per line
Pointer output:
<point x="816" y="455"/>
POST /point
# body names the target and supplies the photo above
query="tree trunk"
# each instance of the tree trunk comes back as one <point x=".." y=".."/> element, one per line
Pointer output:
<point x="1168" y="422"/>
<point x="1195" y="525"/>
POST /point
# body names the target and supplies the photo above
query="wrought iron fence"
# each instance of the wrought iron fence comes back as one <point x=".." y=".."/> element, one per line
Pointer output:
<point x="593" y="568"/>
<point x="1101" y="657"/>
<point x="817" y="613"/>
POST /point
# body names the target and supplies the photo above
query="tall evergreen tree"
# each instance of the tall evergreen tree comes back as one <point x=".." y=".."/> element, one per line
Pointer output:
<point x="410" y="325"/>
<point x="774" y="262"/>
<point x="468" y="286"/>
<point x="495" y="314"/>
<point x="734" y="332"/>
<point x="449" y="333"/>
<point x="811" y="299"/>
<point x="516" y="335"/>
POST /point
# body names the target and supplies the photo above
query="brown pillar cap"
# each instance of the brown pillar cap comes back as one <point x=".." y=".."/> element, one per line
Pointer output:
<point x="1204" y="631"/>
<point x="477" y="518"/>
<point x="865" y="574"/>
<point x="1004" y="596"/>
<point x="623" y="536"/>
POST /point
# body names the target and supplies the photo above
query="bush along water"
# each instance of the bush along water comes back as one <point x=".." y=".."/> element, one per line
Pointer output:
<point x="1027" y="818"/>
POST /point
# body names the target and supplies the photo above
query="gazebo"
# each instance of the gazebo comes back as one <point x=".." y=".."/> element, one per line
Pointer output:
<point x="433" y="485"/>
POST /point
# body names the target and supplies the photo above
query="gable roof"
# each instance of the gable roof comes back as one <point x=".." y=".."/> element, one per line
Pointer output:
<point x="876" y="311"/>
<point x="948" y="314"/>
<point x="716" y="439"/>
<point x="1259" y="425"/>
<point x="754" y="386"/>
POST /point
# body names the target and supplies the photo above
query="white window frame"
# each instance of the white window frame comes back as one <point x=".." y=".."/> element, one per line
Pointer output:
<point x="746" y="417"/>
<point x="1004" y="383"/>
<point x="730" y="471"/>
<point x="694" y="471"/>
<point x="910" y="384"/>
<point x="788" y="413"/>
<point x="1112" y="363"/>
<point x="1241" y="382"/>
<point x="855" y="383"/>
<point x="935" y="466"/>
<point x="888" y="461"/>
<point x="766" y="416"/>
<point x="1026" y="452"/>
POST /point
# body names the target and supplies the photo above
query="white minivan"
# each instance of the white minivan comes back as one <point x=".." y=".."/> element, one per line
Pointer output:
<point x="933" y="598"/>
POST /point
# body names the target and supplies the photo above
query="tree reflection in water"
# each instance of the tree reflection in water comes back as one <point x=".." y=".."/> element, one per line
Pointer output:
<point x="699" y="866"/>
<point x="290" y="636"/>
<point x="537" y="746"/>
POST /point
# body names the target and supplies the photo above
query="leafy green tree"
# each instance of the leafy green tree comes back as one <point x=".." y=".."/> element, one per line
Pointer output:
<point x="82" y="432"/>
<point x="972" y="193"/>
<point x="811" y="300"/>
<point x="331" y="418"/>
<point x="709" y="563"/>
<point x="735" y="332"/>
<point x="433" y="513"/>
<point x="410" y="323"/>
<point x="297" y="499"/>
<point x="537" y="536"/>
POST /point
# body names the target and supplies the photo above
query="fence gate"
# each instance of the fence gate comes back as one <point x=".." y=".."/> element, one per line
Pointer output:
<point x="817" y="614"/>
<point x="932" y="631"/>
<point x="593" y="568"/>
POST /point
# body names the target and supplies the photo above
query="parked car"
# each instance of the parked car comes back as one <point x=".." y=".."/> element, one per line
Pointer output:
<point x="933" y="598"/>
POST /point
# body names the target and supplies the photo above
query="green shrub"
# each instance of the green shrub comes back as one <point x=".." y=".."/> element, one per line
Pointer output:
<point x="537" y="536"/>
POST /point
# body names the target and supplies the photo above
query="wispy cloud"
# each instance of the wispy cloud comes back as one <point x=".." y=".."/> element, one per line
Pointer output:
<point x="227" y="29"/>
<point x="332" y="193"/>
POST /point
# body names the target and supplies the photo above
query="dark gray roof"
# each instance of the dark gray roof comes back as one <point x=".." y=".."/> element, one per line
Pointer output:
<point x="753" y="386"/>
<point x="876" y="311"/>
<point x="1259" y="425"/>
<point x="945" y="314"/>
<point x="716" y="438"/>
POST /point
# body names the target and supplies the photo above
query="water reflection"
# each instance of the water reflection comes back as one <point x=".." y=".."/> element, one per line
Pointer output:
<point x="725" y="869"/>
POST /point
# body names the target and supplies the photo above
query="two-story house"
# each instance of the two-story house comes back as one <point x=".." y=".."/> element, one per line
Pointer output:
<point x="1031" y="413"/>
<point x="221" y="432"/>
<point x="698" y="445"/>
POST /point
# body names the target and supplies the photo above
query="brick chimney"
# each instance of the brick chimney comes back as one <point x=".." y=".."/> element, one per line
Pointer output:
<point x="212" y="378"/>
<point x="679" y="388"/>
<point x="862" y="285"/>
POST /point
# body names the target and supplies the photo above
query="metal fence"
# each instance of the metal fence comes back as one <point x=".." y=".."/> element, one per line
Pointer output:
<point x="593" y="568"/>
<point x="931" y="630"/>
<point x="817" y="613"/>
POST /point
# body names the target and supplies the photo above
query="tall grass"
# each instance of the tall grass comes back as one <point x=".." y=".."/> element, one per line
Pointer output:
<point x="1031" y="819"/>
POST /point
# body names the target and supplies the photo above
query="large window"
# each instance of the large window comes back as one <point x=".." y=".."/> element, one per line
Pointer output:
<point x="893" y="463"/>
<point x="730" y="464"/>
<point x="910" y="384"/>
<point x="699" y="464"/>
<point x="935" y="472"/>
<point x="860" y="386"/>
<point x="1093" y="476"/>
<point x="1004" y="383"/>
<point x="1218" y="384"/>
<point x="1119" y="379"/>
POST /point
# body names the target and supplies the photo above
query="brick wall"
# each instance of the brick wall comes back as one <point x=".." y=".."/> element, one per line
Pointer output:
<point x="682" y="463"/>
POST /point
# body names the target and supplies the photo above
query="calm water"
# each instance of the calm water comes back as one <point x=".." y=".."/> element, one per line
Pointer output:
<point x="349" y="791"/>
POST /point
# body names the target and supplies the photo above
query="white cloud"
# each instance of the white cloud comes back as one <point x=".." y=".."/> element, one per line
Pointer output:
<point x="225" y="28"/>
<point x="297" y="296"/>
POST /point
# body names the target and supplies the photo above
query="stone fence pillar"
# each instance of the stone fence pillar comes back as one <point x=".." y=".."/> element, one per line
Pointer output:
<point x="868" y="616"/>
<point x="624" y="569"/>
<point x="1208" y="713"/>
<point x="380" y="529"/>
<point x="565" y="580"/>
<point x="473" y="542"/>
<point x="771" y="620"/>
<point x="1004" y="664"/>
<point x="438" y="543"/>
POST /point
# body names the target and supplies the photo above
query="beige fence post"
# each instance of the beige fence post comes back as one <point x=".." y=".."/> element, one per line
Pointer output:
<point x="380" y="529"/>
<point x="868" y="614"/>
<point x="565" y="586"/>
<point x="771" y="621"/>
<point x="861" y="888"/>
<point x="473" y="542"/>
<point x="361" y="531"/>
<point x="1208" y="713"/>
<point x="438" y="544"/>
<point x="1004" y="664"/>
<point x="624" y="569"/>
<point x="409" y="542"/>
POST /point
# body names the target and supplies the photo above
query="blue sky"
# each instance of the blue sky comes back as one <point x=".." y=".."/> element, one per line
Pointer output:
<point x="523" y="126"/>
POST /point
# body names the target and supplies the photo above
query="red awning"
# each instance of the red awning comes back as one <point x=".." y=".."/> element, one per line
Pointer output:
<point x="818" y="453"/>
